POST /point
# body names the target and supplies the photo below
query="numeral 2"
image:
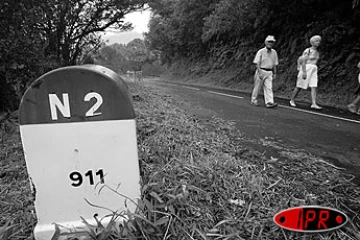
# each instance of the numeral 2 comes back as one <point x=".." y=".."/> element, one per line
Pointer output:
<point x="96" y="106"/>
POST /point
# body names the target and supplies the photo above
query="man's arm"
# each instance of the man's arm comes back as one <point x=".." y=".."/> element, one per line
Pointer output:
<point x="257" y="57"/>
<point x="275" y="65"/>
<point x="258" y="66"/>
<point x="257" y="61"/>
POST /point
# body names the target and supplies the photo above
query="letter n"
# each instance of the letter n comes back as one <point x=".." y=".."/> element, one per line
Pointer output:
<point x="55" y="104"/>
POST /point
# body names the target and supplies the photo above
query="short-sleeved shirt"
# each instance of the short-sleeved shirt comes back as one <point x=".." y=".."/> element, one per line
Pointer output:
<point x="313" y="56"/>
<point x="266" y="59"/>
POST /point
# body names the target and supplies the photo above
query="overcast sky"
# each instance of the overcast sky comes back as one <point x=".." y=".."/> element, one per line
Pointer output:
<point x="139" y="20"/>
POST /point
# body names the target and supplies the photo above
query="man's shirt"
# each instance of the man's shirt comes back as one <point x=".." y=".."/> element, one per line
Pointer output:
<point x="266" y="59"/>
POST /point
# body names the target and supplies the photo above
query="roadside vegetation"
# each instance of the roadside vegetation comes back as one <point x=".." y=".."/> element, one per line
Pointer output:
<point x="200" y="180"/>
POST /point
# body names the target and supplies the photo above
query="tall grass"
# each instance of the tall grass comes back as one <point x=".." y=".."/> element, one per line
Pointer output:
<point x="16" y="200"/>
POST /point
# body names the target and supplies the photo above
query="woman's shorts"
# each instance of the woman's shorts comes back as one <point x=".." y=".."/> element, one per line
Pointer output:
<point x="311" y="77"/>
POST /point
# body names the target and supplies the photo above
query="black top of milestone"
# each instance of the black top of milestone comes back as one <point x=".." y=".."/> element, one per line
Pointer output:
<point x="113" y="101"/>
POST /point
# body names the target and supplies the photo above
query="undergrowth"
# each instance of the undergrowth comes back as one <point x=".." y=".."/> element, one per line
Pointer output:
<point x="199" y="181"/>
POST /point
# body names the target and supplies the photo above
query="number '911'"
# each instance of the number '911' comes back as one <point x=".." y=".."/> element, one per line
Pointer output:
<point x="78" y="179"/>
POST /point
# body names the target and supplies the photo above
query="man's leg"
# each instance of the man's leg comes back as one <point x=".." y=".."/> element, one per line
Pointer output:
<point x="268" y="92"/>
<point x="257" y="85"/>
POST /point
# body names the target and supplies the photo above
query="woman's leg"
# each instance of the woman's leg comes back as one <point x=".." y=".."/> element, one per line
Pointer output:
<point x="295" y="93"/>
<point x="313" y="99"/>
<point x="293" y="96"/>
<point x="313" y="96"/>
<point x="300" y="84"/>
<point x="357" y="100"/>
<point x="352" y="106"/>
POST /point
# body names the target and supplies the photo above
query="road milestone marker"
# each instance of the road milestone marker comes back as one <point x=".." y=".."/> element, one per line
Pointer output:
<point x="78" y="133"/>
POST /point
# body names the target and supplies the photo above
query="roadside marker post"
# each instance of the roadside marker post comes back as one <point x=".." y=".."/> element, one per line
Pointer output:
<point x="78" y="132"/>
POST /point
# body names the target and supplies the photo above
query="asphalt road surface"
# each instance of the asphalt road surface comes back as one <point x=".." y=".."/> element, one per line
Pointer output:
<point x="331" y="134"/>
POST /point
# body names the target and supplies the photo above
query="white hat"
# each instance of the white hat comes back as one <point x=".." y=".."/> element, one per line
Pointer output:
<point x="270" y="38"/>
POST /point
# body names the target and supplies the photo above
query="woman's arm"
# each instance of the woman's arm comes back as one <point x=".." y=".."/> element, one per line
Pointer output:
<point x="304" y="58"/>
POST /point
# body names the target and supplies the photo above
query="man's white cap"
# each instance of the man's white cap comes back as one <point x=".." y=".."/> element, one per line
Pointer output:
<point x="270" y="38"/>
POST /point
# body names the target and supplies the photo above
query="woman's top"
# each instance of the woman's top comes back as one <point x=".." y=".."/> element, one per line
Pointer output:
<point x="312" y="54"/>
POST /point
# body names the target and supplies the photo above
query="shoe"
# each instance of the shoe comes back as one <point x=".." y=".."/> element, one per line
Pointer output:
<point x="317" y="107"/>
<point x="292" y="103"/>
<point x="254" y="102"/>
<point x="271" y="105"/>
<point x="351" y="108"/>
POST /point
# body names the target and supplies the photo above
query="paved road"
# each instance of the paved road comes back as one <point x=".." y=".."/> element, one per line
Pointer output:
<point x="331" y="134"/>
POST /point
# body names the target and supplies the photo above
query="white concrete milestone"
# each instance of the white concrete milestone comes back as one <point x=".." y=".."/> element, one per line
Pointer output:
<point x="78" y="133"/>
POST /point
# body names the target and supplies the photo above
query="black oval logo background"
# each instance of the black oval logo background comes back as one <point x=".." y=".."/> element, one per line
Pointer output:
<point x="310" y="219"/>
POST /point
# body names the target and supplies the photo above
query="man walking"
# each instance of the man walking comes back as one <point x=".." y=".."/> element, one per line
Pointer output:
<point x="266" y="61"/>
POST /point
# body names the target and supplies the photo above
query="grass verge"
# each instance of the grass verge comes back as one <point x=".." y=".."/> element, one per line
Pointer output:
<point x="199" y="181"/>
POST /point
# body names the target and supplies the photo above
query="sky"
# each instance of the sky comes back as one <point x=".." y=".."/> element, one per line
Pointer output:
<point x="139" y="20"/>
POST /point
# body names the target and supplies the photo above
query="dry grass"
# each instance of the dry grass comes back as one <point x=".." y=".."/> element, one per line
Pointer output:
<point x="199" y="181"/>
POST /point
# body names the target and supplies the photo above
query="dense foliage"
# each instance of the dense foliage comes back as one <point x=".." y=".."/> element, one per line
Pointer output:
<point x="20" y="48"/>
<point x="223" y="34"/>
<point x="39" y="35"/>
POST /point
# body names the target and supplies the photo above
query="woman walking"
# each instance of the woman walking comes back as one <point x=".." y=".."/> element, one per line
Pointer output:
<point x="308" y="72"/>
<point x="353" y="106"/>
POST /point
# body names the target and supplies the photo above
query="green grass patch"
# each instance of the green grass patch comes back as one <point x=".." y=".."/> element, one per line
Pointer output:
<point x="200" y="180"/>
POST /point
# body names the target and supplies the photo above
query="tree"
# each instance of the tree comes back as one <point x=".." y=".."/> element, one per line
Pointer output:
<point x="130" y="57"/>
<point x="71" y="25"/>
<point x="176" y="28"/>
<point x="21" y="49"/>
<point x="40" y="35"/>
<point x="137" y="54"/>
<point x="113" y="57"/>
